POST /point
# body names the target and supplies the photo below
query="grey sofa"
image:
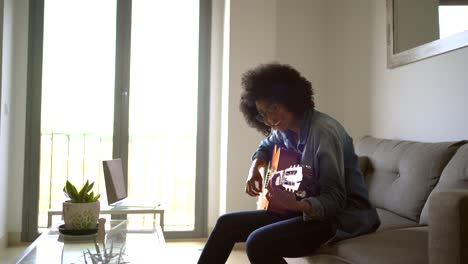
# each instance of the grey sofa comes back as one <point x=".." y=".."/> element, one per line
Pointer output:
<point x="421" y="194"/>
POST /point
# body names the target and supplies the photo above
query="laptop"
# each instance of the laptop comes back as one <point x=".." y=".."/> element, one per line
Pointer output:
<point x="116" y="187"/>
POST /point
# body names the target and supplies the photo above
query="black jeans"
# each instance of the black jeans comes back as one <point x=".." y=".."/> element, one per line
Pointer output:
<point x="269" y="236"/>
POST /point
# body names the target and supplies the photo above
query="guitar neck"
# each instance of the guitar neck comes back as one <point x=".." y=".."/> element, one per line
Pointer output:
<point x="267" y="172"/>
<point x="267" y="177"/>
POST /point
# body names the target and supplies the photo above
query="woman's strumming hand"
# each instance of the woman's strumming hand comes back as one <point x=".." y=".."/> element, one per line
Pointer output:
<point x="285" y="200"/>
<point x="254" y="184"/>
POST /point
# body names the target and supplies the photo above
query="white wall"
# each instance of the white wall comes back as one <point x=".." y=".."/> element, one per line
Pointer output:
<point x="13" y="116"/>
<point x="302" y="41"/>
<point x="423" y="101"/>
<point x="247" y="48"/>
<point x="329" y="42"/>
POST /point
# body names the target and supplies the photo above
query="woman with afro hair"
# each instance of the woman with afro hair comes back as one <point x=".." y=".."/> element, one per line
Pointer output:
<point x="279" y="102"/>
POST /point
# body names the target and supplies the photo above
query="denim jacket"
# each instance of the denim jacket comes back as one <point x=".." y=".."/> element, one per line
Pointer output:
<point x="325" y="145"/>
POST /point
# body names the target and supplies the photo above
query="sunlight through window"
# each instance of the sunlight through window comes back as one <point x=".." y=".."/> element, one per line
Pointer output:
<point x="452" y="20"/>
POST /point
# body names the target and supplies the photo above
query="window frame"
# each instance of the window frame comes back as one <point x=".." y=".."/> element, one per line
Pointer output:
<point x="30" y="210"/>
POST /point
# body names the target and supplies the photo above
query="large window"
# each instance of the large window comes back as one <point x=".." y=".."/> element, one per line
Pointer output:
<point x="163" y="106"/>
<point x="121" y="79"/>
<point x="453" y="19"/>
<point x="77" y="96"/>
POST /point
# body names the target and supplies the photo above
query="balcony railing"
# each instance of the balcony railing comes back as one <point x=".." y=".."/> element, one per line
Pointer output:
<point x="154" y="168"/>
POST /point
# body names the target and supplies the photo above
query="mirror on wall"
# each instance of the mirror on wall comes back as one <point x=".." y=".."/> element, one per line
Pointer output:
<point x="419" y="29"/>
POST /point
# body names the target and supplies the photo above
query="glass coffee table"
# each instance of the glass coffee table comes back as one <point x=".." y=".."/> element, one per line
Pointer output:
<point x="125" y="242"/>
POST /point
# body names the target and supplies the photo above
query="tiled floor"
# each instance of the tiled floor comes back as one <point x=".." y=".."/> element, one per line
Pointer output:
<point x="192" y="249"/>
<point x="181" y="251"/>
<point x="11" y="254"/>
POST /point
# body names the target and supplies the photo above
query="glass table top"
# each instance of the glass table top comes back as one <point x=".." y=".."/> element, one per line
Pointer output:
<point x="125" y="242"/>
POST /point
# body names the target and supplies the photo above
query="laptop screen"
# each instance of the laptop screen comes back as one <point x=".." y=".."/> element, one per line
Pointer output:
<point x="115" y="181"/>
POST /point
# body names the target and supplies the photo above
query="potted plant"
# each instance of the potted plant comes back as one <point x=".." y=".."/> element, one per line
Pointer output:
<point x="81" y="212"/>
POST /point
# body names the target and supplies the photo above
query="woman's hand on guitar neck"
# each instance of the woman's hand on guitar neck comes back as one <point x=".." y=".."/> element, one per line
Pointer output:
<point x="254" y="184"/>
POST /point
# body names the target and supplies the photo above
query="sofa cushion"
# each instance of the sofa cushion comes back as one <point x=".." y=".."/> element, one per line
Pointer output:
<point x="406" y="245"/>
<point x="401" y="174"/>
<point x="454" y="176"/>
<point x="389" y="220"/>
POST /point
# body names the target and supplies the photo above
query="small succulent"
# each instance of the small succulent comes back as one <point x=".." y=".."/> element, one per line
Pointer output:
<point x="85" y="195"/>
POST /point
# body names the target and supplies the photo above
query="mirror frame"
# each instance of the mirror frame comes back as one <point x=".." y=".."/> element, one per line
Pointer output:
<point x="424" y="51"/>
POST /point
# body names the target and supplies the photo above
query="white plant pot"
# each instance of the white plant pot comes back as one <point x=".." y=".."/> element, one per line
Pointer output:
<point x="80" y="216"/>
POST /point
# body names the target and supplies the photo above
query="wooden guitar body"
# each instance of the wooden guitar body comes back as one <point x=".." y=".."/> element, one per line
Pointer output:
<point x="281" y="159"/>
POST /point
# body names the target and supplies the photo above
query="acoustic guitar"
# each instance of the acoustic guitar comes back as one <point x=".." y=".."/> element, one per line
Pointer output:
<point x="283" y="171"/>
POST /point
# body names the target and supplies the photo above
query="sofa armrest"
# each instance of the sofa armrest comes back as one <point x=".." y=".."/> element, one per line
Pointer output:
<point x="448" y="227"/>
